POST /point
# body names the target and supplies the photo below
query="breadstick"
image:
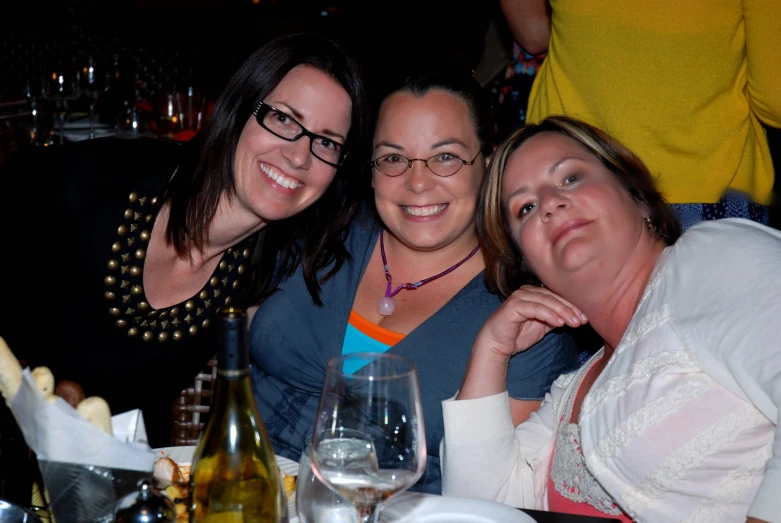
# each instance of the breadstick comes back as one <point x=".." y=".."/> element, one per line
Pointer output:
<point x="44" y="380"/>
<point x="10" y="372"/>
<point x="96" y="411"/>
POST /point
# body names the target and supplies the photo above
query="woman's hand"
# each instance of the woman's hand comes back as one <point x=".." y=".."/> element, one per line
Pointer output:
<point x="520" y="322"/>
<point x="524" y="319"/>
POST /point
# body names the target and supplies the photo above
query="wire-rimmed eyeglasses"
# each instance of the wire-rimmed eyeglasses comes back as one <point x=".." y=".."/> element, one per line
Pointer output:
<point x="286" y="127"/>
<point x="442" y="164"/>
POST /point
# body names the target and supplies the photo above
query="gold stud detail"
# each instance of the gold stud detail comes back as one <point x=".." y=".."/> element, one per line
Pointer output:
<point x="153" y="323"/>
<point x="154" y="200"/>
<point x="133" y="197"/>
<point x="109" y="281"/>
<point x="122" y="230"/>
<point x="236" y="284"/>
<point x="223" y="264"/>
<point x="163" y="315"/>
<point x="136" y="289"/>
<point x="140" y="253"/>
<point x="132" y="332"/>
<point x="131" y="241"/>
<point x="228" y="300"/>
<point x="224" y="282"/>
<point x="148" y="218"/>
<point x="145" y="323"/>
<point x="124" y="269"/>
<point x="128" y="214"/>
<point x="175" y="321"/>
<point x="136" y="216"/>
<point x="144" y="236"/>
<point x="203" y="295"/>
<point x="113" y="311"/>
<point x="199" y="312"/>
<point x="148" y="335"/>
<point x="125" y="257"/>
<point x="190" y="305"/>
<point x="163" y="337"/>
<point x="129" y="312"/>
<point x="124" y="285"/>
<point x="121" y="323"/>
<point x="216" y="292"/>
<point x="112" y="265"/>
<point x="230" y="267"/>
<point x="205" y="323"/>
<point x="142" y="200"/>
<point x="125" y="298"/>
<point x="116" y="246"/>
<point x="241" y="269"/>
<point x="164" y="324"/>
<point x="133" y="227"/>
<point x="177" y="335"/>
<point x="214" y="281"/>
<point x="153" y="314"/>
<point x="109" y="295"/>
<point x="230" y="250"/>
<point x="235" y="254"/>
<point x="135" y="270"/>
<point x="174" y="311"/>
<point x="208" y="303"/>
<point x="142" y="306"/>
<point x="193" y="329"/>
<point x="188" y="318"/>
<point x="246" y="253"/>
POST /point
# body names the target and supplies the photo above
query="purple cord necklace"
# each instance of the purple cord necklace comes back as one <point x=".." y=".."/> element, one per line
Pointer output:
<point x="387" y="305"/>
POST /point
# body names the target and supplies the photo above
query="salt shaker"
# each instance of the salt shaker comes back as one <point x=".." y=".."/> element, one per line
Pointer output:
<point x="145" y="506"/>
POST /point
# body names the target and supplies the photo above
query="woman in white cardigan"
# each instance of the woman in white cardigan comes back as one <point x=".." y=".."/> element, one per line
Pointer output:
<point x="676" y="418"/>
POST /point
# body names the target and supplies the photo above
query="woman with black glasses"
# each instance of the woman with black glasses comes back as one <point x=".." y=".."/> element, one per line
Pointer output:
<point x="134" y="247"/>
<point x="414" y="285"/>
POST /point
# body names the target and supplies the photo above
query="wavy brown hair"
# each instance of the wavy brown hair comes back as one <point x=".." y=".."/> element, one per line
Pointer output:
<point x="506" y="268"/>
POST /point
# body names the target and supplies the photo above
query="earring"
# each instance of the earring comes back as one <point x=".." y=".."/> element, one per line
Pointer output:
<point x="650" y="224"/>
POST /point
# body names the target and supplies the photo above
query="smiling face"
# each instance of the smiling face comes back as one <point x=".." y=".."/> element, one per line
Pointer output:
<point x="422" y="210"/>
<point x="567" y="212"/>
<point x="275" y="178"/>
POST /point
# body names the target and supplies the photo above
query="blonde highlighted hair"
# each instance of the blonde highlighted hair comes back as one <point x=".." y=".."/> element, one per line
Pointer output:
<point x="506" y="269"/>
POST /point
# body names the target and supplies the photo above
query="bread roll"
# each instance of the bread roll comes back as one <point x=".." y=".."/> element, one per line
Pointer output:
<point x="44" y="380"/>
<point x="10" y="372"/>
<point x="96" y="411"/>
<point x="70" y="391"/>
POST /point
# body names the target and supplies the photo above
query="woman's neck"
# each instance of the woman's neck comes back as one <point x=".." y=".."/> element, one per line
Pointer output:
<point x="609" y="305"/>
<point x="407" y="259"/>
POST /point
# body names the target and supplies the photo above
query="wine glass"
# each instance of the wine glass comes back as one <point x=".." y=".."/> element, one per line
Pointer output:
<point x="368" y="441"/>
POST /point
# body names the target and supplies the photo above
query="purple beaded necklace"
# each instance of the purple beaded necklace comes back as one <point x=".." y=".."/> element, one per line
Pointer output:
<point x="387" y="305"/>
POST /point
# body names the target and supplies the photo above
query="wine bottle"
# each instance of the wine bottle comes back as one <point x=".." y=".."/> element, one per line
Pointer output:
<point x="234" y="474"/>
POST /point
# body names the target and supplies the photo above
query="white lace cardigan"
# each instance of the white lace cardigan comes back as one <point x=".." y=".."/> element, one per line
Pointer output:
<point x="682" y="424"/>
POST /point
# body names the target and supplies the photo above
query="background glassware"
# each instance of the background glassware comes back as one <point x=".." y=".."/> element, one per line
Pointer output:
<point x="316" y="503"/>
<point x="368" y="441"/>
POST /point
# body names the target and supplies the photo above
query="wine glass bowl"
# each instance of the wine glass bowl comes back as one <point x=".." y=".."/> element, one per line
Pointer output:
<point x="368" y="441"/>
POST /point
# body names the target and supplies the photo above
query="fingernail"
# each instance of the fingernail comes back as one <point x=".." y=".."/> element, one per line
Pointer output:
<point x="583" y="317"/>
<point x="575" y="319"/>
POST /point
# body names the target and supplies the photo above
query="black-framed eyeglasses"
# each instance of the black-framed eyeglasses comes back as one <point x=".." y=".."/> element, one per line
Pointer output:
<point x="286" y="127"/>
<point x="442" y="164"/>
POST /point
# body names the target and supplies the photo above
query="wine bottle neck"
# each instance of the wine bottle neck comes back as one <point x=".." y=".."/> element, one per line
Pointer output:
<point x="233" y="355"/>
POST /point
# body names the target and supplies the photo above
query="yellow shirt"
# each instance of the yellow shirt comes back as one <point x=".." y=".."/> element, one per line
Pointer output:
<point x="683" y="83"/>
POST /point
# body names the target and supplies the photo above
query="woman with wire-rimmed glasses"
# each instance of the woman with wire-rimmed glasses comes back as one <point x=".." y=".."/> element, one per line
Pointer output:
<point x="414" y="285"/>
<point x="147" y="244"/>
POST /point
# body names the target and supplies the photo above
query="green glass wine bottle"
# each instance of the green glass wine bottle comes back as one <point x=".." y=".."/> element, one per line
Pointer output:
<point x="234" y="474"/>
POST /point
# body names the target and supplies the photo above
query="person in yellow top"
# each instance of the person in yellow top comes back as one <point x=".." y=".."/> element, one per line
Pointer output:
<point x="687" y="85"/>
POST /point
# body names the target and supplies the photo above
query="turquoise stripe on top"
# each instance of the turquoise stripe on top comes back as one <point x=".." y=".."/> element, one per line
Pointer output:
<point x="357" y="341"/>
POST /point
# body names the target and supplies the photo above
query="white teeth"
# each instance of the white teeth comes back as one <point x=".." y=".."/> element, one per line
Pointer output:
<point x="281" y="179"/>
<point x="428" y="210"/>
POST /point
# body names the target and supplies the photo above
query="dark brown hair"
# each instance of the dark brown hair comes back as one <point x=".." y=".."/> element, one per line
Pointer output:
<point x="506" y="268"/>
<point x="314" y="237"/>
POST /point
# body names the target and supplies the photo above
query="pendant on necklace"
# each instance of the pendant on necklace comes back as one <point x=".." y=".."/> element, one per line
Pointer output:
<point x="386" y="306"/>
